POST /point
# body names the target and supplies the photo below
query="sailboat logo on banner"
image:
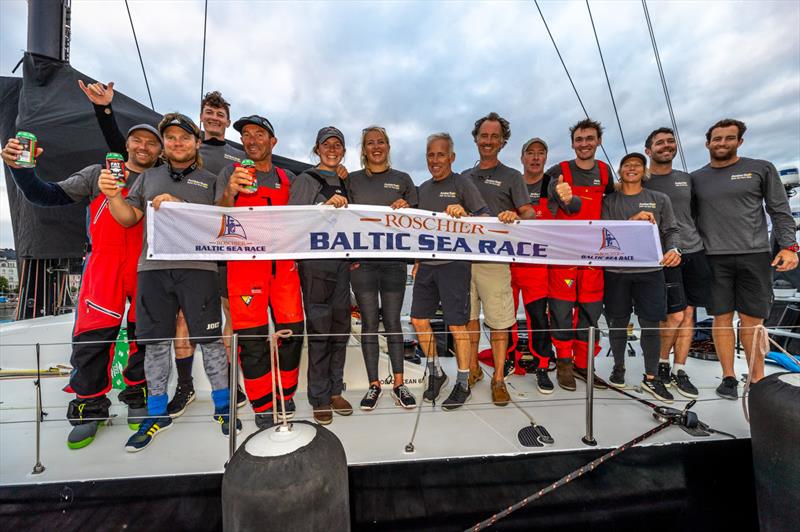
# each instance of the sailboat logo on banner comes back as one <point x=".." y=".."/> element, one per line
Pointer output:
<point x="609" y="241"/>
<point x="231" y="227"/>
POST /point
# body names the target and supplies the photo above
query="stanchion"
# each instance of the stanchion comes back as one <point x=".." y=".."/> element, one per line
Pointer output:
<point x="232" y="387"/>
<point x="588" y="439"/>
<point x="38" y="467"/>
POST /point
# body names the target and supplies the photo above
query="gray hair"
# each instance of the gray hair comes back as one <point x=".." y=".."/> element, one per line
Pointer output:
<point x="441" y="136"/>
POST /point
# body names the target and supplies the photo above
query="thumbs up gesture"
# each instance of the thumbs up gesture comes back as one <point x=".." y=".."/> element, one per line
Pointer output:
<point x="564" y="190"/>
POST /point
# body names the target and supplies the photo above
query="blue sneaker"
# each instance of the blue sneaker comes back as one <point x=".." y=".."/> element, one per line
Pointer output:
<point x="147" y="431"/>
<point x="221" y="416"/>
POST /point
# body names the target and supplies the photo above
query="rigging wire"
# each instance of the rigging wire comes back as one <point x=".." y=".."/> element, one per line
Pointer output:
<point x="563" y="64"/>
<point x="664" y="84"/>
<point x="203" y="67"/>
<point x="608" y="82"/>
<point x="141" y="62"/>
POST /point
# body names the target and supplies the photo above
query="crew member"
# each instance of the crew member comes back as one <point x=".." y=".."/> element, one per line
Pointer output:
<point x="443" y="282"/>
<point x="640" y="289"/>
<point x="505" y="194"/>
<point x="167" y="286"/>
<point x="326" y="285"/>
<point x="575" y="297"/>
<point x="531" y="279"/>
<point x="731" y="193"/>
<point x="258" y="288"/>
<point x="380" y="184"/>
<point x="108" y="282"/>
<point x="687" y="286"/>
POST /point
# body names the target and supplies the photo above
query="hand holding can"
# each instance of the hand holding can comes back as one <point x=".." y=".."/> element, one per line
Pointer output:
<point x="27" y="158"/>
<point x="250" y="166"/>
<point x="115" y="164"/>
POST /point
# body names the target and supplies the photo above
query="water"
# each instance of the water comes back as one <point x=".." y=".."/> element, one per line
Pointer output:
<point x="7" y="313"/>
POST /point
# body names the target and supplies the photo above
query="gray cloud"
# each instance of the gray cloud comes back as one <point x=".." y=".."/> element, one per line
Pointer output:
<point x="419" y="67"/>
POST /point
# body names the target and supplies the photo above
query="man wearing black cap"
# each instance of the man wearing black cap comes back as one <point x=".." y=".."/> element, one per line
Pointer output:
<point x="166" y="286"/>
<point x="639" y="289"/>
<point x="109" y="280"/>
<point x="258" y="288"/>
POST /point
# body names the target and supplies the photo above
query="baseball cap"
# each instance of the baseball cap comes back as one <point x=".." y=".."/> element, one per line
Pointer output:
<point x="634" y="155"/>
<point x="256" y="120"/>
<point x="145" y="127"/>
<point x="533" y="141"/>
<point x="183" y="122"/>
<point x="328" y="132"/>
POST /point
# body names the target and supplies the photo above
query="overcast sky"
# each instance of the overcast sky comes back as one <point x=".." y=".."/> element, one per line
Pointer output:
<point x="420" y="67"/>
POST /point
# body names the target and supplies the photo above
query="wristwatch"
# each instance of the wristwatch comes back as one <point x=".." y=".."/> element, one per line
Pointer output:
<point x="794" y="247"/>
<point x="679" y="251"/>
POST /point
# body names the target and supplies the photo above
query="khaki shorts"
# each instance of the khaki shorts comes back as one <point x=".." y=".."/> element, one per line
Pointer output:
<point x="491" y="286"/>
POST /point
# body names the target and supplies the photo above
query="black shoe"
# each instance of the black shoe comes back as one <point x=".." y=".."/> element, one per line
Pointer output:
<point x="183" y="396"/>
<point x="370" y="400"/>
<point x="434" y="388"/>
<point x="684" y="385"/>
<point x="508" y="367"/>
<point x="403" y="398"/>
<point x="664" y="373"/>
<point x="457" y="398"/>
<point x="264" y="420"/>
<point x="617" y="378"/>
<point x="241" y="397"/>
<point x="657" y="389"/>
<point x="729" y="388"/>
<point x="290" y="409"/>
<point x="543" y="381"/>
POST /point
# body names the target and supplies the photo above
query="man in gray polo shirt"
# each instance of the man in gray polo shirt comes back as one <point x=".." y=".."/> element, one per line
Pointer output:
<point x="731" y="193"/>
<point x="164" y="287"/>
<point x="687" y="285"/>
<point x="505" y="194"/>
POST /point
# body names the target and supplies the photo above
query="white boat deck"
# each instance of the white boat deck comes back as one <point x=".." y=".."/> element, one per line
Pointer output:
<point x="195" y="445"/>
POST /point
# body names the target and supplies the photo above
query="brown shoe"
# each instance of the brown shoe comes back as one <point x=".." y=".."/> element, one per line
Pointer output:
<point x="599" y="384"/>
<point x="500" y="395"/>
<point x="475" y="376"/>
<point x="564" y="375"/>
<point x="341" y="406"/>
<point x="323" y="415"/>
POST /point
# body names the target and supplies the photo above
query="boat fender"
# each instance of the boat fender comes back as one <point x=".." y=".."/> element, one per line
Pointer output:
<point x="775" y="430"/>
<point x="282" y="480"/>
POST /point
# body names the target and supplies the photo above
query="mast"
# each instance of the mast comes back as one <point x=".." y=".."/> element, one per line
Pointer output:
<point x="49" y="28"/>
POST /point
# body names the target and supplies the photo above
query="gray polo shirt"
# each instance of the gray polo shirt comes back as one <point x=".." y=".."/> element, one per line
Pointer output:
<point x="217" y="154"/>
<point x="383" y="188"/>
<point x="83" y="183"/>
<point x="730" y="205"/>
<point x="618" y="206"/>
<point x="263" y="179"/>
<point x="306" y="189"/>
<point x="502" y="188"/>
<point x="199" y="186"/>
<point x="678" y="186"/>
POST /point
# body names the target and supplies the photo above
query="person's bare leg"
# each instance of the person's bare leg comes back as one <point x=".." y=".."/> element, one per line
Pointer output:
<point x="724" y="341"/>
<point x="473" y="328"/>
<point x="184" y="348"/>
<point x="669" y="333"/>
<point x="398" y="380"/>
<point x="461" y="342"/>
<point x="499" y="341"/>
<point x="425" y="336"/>
<point x="746" y="332"/>
<point x="683" y="338"/>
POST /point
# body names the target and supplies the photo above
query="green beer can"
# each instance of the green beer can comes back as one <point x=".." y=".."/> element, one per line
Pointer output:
<point x="26" y="159"/>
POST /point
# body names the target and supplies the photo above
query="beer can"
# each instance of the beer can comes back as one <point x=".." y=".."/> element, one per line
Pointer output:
<point x="26" y="159"/>
<point x="250" y="166"/>
<point x="115" y="164"/>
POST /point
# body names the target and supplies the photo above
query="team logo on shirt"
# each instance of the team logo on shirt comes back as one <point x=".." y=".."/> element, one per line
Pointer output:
<point x="393" y="186"/>
<point x="681" y="183"/>
<point x="569" y="282"/>
<point x="247" y="300"/>
<point x="494" y="182"/>
<point x="231" y="227"/>
<point x="736" y="177"/>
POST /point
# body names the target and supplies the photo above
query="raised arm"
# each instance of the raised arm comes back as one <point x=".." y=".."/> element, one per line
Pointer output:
<point x="101" y="95"/>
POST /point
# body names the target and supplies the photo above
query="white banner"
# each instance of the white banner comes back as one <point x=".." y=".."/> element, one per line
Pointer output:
<point x="185" y="231"/>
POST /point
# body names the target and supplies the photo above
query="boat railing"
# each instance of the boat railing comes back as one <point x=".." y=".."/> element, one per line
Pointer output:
<point x="593" y="334"/>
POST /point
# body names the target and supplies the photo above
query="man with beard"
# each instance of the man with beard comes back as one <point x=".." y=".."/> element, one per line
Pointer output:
<point x="505" y="194"/>
<point x="531" y="279"/>
<point x="258" y="288"/>
<point x="216" y="154"/>
<point x="108" y="282"/>
<point x="731" y="193"/>
<point x="164" y="287"/>
<point x="576" y="192"/>
<point x="688" y="285"/>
